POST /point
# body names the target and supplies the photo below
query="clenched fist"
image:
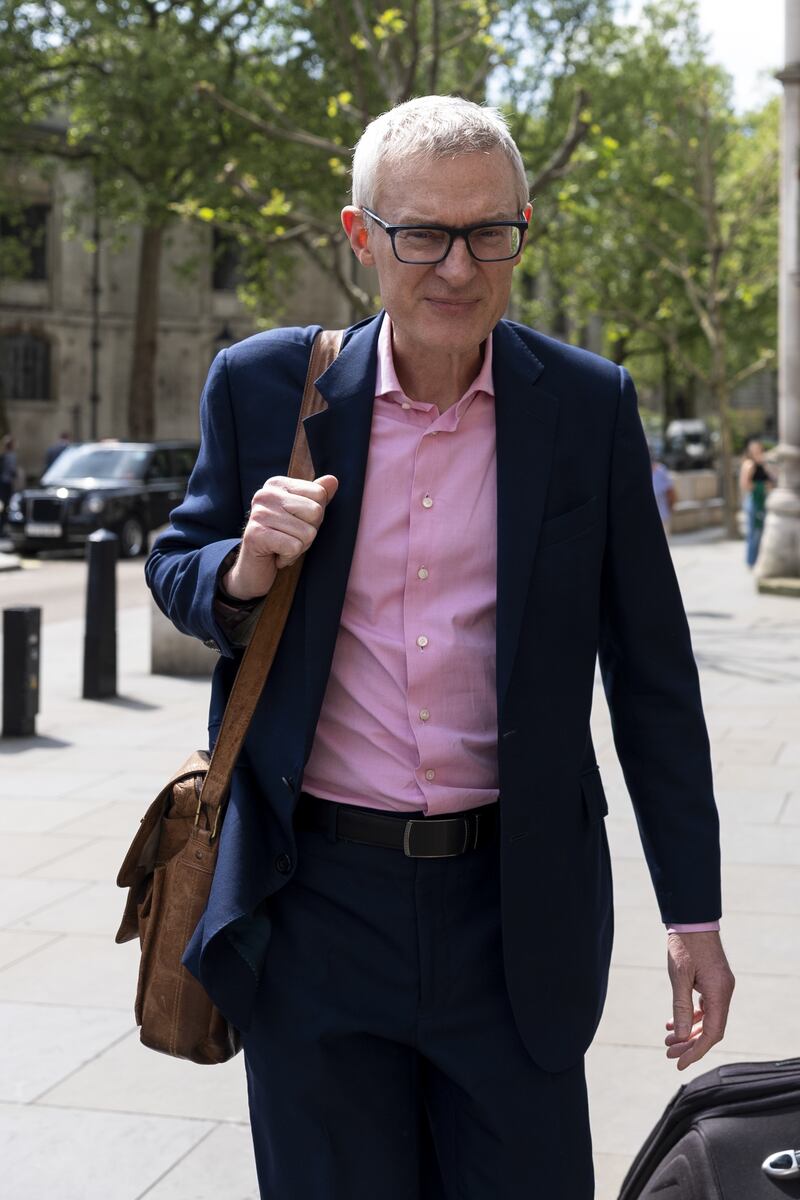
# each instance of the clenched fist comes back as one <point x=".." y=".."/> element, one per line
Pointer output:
<point x="284" y="518"/>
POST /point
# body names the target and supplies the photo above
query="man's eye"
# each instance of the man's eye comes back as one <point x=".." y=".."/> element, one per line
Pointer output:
<point x="490" y="234"/>
<point x="423" y="235"/>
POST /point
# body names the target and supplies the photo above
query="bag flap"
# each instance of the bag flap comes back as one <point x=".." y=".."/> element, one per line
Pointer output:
<point x="141" y="855"/>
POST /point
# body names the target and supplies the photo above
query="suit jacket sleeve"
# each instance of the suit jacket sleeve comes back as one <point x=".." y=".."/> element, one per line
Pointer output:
<point x="652" y="687"/>
<point x="186" y="560"/>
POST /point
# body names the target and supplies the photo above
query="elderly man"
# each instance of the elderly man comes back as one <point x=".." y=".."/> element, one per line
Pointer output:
<point x="411" y="918"/>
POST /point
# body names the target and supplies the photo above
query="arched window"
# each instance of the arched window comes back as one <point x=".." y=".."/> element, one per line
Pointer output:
<point x="24" y="366"/>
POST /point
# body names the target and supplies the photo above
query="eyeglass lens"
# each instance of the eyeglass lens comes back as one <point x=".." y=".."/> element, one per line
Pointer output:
<point x="489" y="244"/>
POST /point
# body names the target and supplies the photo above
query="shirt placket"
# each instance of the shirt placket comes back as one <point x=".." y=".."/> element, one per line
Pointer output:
<point x="419" y="609"/>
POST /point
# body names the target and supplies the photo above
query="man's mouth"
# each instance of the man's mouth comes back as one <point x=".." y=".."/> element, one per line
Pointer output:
<point x="449" y="302"/>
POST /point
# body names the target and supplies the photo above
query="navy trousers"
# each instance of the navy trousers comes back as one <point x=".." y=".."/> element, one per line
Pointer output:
<point x="383" y="1062"/>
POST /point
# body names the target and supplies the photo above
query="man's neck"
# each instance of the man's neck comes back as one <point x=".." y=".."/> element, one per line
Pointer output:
<point x="440" y="379"/>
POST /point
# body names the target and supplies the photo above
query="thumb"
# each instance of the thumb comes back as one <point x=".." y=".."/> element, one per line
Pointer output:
<point x="682" y="1009"/>
<point x="331" y="485"/>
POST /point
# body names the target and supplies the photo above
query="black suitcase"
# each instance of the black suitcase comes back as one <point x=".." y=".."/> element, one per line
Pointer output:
<point x="717" y="1132"/>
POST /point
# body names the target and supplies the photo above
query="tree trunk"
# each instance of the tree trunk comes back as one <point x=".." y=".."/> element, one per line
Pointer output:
<point x="142" y="387"/>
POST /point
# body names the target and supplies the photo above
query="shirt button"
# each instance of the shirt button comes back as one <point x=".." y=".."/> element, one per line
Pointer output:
<point x="283" y="864"/>
<point x="406" y="405"/>
<point x="424" y="714"/>
<point x="427" y="502"/>
<point x="422" y="573"/>
<point x="430" y="775"/>
<point x="422" y="641"/>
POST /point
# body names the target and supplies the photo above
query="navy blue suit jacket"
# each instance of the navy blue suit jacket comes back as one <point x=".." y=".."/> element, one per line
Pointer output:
<point x="583" y="569"/>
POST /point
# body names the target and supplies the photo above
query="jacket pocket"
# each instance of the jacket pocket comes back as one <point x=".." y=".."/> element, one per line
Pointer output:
<point x="594" y="798"/>
<point x="569" y="524"/>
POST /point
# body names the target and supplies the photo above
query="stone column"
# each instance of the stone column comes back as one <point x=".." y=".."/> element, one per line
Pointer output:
<point x="780" y="547"/>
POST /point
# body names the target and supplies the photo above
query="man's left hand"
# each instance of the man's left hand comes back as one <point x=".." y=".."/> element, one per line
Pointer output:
<point x="697" y="963"/>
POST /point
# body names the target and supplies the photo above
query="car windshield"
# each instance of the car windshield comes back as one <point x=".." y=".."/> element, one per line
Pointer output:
<point x="97" y="462"/>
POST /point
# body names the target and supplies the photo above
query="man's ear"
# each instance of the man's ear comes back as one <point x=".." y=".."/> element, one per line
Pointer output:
<point x="357" y="234"/>
<point x="527" y="211"/>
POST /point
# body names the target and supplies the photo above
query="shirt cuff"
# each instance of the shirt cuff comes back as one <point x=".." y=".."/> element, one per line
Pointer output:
<point x="704" y="927"/>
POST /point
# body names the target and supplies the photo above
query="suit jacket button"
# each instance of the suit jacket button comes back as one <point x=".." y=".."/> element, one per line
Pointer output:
<point x="283" y="864"/>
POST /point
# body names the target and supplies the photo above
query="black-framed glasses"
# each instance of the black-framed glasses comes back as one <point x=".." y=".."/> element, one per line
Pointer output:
<point x="489" y="241"/>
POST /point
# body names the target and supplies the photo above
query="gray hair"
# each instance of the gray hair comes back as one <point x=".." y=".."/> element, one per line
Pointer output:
<point x="432" y="127"/>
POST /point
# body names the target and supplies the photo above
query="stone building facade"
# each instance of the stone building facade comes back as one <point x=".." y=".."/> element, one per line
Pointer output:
<point x="73" y="317"/>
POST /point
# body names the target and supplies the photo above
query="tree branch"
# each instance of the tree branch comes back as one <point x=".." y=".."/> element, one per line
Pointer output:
<point x="753" y="369"/>
<point x="300" y="136"/>
<point x="559" y="162"/>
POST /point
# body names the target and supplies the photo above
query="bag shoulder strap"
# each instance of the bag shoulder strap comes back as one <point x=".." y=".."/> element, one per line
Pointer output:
<point x="262" y="647"/>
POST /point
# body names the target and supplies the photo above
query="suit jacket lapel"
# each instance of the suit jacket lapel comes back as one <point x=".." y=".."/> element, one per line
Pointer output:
<point x="526" y="417"/>
<point x="338" y="438"/>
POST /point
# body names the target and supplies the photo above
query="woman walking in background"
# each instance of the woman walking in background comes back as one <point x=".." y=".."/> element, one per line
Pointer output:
<point x="754" y="483"/>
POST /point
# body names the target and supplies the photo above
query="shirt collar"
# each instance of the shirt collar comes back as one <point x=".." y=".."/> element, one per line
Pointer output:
<point x="388" y="385"/>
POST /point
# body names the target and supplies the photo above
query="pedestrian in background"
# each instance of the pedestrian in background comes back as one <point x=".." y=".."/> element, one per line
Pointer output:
<point x="664" y="489"/>
<point x="52" y="452"/>
<point x="8" y="476"/>
<point x="755" y="481"/>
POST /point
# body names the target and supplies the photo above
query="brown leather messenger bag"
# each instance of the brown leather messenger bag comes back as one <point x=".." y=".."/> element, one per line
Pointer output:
<point x="170" y="864"/>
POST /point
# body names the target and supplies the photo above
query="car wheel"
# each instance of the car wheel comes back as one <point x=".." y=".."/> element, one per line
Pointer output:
<point x="132" y="538"/>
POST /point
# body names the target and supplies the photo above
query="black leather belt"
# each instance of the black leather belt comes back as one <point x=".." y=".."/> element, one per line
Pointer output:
<point x="417" y="837"/>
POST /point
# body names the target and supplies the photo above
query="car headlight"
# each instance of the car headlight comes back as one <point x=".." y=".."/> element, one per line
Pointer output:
<point x="94" y="504"/>
<point x="14" y="504"/>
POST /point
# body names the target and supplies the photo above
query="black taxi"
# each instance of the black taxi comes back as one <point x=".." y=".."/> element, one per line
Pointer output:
<point x="129" y="488"/>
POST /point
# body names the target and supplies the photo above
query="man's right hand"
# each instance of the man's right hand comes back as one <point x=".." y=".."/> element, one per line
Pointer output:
<point x="284" y="518"/>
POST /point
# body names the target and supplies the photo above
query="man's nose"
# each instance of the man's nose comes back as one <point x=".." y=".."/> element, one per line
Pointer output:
<point x="459" y="264"/>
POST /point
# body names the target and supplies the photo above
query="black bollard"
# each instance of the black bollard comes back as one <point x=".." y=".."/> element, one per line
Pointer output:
<point x="20" y="671"/>
<point x="100" y="640"/>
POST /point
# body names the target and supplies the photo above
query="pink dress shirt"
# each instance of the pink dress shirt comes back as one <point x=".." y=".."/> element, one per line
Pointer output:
<point x="409" y="718"/>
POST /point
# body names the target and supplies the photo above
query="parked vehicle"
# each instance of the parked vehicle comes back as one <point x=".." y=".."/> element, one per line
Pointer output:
<point x="688" y="445"/>
<point x="127" y="487"/>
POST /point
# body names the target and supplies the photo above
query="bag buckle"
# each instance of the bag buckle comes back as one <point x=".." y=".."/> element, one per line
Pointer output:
<point x="213" y="833"/>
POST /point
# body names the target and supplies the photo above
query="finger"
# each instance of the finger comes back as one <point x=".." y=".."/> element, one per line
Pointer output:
<point x="698" y="1015"/>
<point x="312" y="489"/>
<point x="693" y="1052"/>
<point x="303" y="507"/>
<point x="286" y="548"/>
<point x="268" y="523"/>
<point x="672" y="1039"/>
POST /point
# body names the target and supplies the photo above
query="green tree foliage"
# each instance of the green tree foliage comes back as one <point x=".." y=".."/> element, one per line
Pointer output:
<point x="321" y="69"/>
<point x="243" y="114"/>
<point x="667" y="228"/>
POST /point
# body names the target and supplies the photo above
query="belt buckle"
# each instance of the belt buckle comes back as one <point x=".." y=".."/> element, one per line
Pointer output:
<point x="470" y="824"/>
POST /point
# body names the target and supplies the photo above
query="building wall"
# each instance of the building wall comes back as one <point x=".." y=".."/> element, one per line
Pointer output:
<point x="195" y="322"/>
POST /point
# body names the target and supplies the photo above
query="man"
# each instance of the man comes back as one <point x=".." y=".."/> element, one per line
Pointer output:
<point x="418" y="967"/>
<point x="52" y="452"/>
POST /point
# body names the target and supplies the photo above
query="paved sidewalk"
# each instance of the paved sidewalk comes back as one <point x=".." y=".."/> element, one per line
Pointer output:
<point x="87" y="1114"/>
